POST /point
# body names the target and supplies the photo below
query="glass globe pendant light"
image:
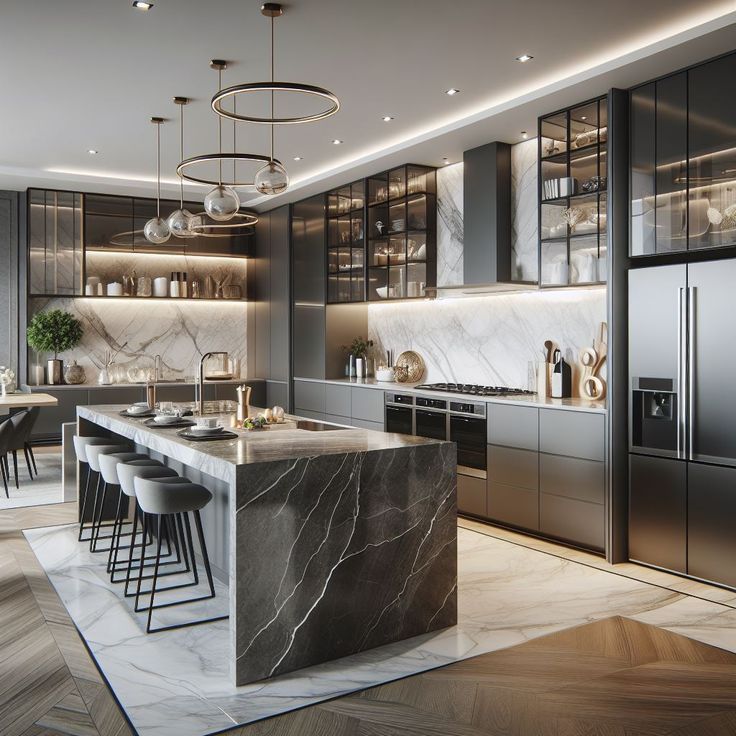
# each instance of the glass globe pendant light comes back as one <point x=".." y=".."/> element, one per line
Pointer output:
<point x="180" y="221"/>
<point x="222" y="203"/>
<point x="156" y="230"/>
<point x="272" y="178"/>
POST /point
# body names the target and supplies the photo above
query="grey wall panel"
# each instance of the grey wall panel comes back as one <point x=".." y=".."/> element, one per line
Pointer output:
<point x="308" y="358"/>
<point x="343" y="322"/>
<point x="9" y="297"/>
<point x="572" y="477"/>
<point x="513" y="426"/>
<point x="275" y="393"/>
<point x="511" y="466"/>
<point x="572" y="433"/>
<point x="280" y="294"/>
<point x="308" y="250"/>
<point x="261" y="281"/>
<point x="513" y="505"/>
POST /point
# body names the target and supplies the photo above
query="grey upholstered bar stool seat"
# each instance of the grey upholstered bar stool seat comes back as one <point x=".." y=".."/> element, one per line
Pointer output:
<point x="127" y="565"/>
<point x="80" y="449"/>
<point x="161" y="499"/>
<point x="93" y="458"/>
<point x="109" y="472"/>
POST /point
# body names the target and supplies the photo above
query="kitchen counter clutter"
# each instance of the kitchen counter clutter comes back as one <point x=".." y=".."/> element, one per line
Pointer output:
<point x="304" y="525"/>
<point x="576" y="404"/>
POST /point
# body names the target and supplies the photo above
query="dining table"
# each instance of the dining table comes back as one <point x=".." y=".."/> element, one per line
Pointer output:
<point x="21" y="400"/>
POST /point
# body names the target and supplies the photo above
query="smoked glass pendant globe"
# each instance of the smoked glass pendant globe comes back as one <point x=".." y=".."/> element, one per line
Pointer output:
<point x="271" y="179"/>
<point x="222" y="203"/>
<point x="156" y="231"/>
<point x="179" y="222"/>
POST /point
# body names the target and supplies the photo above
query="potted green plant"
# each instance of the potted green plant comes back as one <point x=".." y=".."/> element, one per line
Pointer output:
<point x="359" y="349"/>
<point x="55" y="331"/>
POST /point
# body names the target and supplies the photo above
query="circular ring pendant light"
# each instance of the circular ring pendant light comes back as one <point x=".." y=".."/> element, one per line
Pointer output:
<point x="156" y="230"/>
<point x="274" y="10"/>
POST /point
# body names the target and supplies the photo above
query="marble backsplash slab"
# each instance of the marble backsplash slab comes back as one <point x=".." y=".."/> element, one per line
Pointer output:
<point x="139" y="329"/>
<point x="450" y="225"/>
<point x="490" y="339"/>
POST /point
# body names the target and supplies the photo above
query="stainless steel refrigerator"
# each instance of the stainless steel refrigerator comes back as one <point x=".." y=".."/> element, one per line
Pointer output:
<point x="682" y="410"/>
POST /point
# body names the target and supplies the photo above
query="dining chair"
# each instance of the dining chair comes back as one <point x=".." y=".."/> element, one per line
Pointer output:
<point x="6" y="432"/>
<point x="23" y="423"/>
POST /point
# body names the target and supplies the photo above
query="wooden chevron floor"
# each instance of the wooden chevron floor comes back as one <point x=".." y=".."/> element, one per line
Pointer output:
<point x="614" y="677"/>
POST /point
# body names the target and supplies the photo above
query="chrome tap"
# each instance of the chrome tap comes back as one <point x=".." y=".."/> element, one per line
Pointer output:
<point x="198" y="387"/>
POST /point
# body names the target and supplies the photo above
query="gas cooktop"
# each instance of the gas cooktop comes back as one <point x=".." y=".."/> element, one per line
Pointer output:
<point x="473" y="389"/>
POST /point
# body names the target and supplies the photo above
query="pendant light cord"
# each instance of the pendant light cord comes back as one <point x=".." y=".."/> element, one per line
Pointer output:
<point x="181" y="157"/>
<point x="158" y="170"/>
<point x="272" y="79"/>
<point x="219" y="125"/>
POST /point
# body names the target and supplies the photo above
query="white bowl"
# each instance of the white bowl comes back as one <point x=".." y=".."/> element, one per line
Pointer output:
<point x="139" y="409"/>
<point x="205" y="430"/>
<point x="385" y="374"/>
<point x="166" y="419"/>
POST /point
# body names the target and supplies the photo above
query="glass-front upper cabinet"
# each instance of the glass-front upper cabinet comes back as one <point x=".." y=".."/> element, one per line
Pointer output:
<point x="712" y="153"/>
<point x="683" y="161"/>
<point x="55" y="252"/>
<point x="346" y="243"/>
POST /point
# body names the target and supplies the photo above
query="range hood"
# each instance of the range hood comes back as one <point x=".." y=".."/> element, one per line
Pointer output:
<point x="486" y="224"/>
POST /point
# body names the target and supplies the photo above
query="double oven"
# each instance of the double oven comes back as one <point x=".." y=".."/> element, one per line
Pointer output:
<point x="462" y="422"/>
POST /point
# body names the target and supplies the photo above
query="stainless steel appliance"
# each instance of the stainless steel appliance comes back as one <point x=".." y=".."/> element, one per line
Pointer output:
<point x="682" y="419"/>
<point x="473" y="389"/>
<point x="462" y="422"/>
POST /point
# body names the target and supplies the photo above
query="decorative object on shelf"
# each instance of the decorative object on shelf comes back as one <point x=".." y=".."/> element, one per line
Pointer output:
<point x="572" y="216"/>
<point x="7" y="380"/>
<point x="413" y="363"/>
<point x="379" y="227"/>
<point x="143" y="286"/>
<point x="274" y="10"/>
<point x="591" y="385"/>
<point x="594" y="184"/>
<point x="74" y="374"/>
<point x="115" y="289"/>
<point x="401" y="373"/>
<point x="385" y="374"/>
<point x="156" y="230"/>
<point x="561" y="383"/>
<point x="179" y="221"/>
<point x="54" y="332"/>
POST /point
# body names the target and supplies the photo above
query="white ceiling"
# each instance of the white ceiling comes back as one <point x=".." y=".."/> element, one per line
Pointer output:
<point x="83" y="74"/>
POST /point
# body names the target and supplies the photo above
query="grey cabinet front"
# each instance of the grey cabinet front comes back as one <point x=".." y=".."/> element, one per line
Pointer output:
<point x="574" y="521"/>
<point x="573" y="477"/>
<point x="50" y="418"/>
<point x="513" y="467"/>
<point x="658" y="512"/>
<point x="338" y="400"/>
<point x="513" y="505"/>
<point x="471" y="495"/>
<point x="513" y="426"/>
<point x="117" y="395"/>
<point x="572" y="433"/>
<point x="711" y="523"/>
<point x="367" y="404"/>
<point x="310" y="396"/>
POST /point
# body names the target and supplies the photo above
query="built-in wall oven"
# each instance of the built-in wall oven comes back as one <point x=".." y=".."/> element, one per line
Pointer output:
<point x="461" y="422"/>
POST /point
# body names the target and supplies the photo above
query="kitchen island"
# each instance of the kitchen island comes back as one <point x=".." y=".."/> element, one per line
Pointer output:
<point x="331" y="542"/>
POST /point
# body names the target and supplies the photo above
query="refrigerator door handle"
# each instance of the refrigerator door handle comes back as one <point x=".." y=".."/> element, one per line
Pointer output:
<point x="691" y="337"/>
<point x="681" y="372"/>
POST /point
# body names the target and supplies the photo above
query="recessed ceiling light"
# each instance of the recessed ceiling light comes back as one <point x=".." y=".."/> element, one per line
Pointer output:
<point x="524" y="134"/>
<point x="387" y="118"/>
<point x="141" y="5"/>
<point x="524" y="57"/>
<point x="337" y="142"/>
<point x="583" y="117"/>
<point x="445" y="160"/>
<point x="297" y="158"/>
<point x="452" y="91"/>
<point x="92" y="151"/>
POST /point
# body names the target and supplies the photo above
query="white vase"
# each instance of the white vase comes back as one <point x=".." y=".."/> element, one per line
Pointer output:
<point x="360" y="367"/>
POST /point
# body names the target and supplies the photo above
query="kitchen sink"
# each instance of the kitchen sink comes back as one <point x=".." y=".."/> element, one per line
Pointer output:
<point x="311" y="426"/>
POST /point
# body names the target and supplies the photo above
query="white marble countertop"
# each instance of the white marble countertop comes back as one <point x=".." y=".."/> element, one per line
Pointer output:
<point x="220" y="458"/>
<point x="55" y="387"/>
<point x="573" y="404"/>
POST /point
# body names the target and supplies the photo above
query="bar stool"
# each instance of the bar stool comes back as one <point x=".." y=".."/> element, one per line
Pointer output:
<point x="163" y="498"/>
<point x="109" y="463"/>
<point x="80" y="449"/>
<point x="126" y="472"/>
<point x="93" y="457"/>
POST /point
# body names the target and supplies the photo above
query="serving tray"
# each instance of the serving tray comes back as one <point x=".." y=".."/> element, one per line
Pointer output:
<point x="224" y="435"/>
<point x="144" y="415"/>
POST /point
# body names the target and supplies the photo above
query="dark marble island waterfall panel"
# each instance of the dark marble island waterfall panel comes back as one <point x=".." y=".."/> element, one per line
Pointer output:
<point x="335" y="554"/>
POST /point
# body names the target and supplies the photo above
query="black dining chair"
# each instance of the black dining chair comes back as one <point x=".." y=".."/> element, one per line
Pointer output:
<point x="6" y="433"/>
<point x="23" y="423"/>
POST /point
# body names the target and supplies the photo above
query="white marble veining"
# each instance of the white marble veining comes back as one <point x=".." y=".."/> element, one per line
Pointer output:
<point x="524" y="223"/>
<point x="140" y="328"/>
<point x="177" y="683"/>
<point x="491" y="339"/>
<point x="450" y="225"/>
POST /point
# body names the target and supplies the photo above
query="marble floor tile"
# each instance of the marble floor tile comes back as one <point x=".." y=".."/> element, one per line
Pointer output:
<point x="178" y="683"/>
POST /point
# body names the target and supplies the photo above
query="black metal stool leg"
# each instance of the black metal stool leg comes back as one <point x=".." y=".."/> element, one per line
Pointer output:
<point x="88" y="475"/>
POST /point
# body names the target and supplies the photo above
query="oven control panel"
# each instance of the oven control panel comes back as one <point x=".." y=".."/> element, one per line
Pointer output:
<point x="402" y="399"/>
<point x="468" y="407"/>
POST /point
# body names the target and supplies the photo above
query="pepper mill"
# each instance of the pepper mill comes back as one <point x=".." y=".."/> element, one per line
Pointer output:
<point x="243" y="411"/>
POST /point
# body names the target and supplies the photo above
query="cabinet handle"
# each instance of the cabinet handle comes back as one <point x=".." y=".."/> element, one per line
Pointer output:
<point x="681" y="372"/>
<point x="691" y="369"/>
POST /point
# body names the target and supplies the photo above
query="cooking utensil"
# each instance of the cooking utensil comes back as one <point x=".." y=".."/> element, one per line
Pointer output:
<point x="549" y="346"/>
<point x="594" y="388"/>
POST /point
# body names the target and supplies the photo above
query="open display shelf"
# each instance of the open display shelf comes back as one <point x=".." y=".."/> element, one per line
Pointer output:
<point x="573" y="238"/>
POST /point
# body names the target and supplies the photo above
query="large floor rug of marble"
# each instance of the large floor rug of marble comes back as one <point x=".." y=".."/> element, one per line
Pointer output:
<point x="177" y="683"/>
<point x="44" y="489"/>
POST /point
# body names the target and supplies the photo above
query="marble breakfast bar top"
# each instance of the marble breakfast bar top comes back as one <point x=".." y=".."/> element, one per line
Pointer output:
<point x="220" y="458"/>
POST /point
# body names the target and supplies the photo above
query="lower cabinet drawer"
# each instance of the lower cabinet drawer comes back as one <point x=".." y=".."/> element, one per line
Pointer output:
<point x="367" y="404"/>
<point x="513" y="505"/>
<point x="575" y="521"/>
<point x="512" y="467"/>
<point x="309" y="396"/>
<point x="471" y="495"/>
<point x="572" y="477"/>
<point x="337" y="419"/>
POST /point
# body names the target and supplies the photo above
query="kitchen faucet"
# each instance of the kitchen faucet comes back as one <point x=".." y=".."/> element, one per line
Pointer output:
<point x="199" y="385"/>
